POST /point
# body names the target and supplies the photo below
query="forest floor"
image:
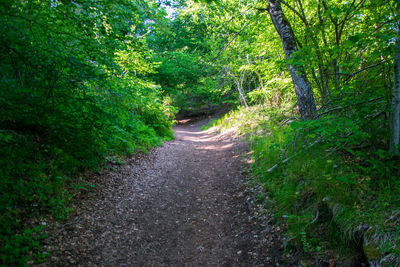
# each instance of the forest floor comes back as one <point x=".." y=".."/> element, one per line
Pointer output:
<point x="183" y="204"/>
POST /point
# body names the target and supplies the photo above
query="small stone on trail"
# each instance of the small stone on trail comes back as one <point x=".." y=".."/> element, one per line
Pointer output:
<point x="156" y="211"/>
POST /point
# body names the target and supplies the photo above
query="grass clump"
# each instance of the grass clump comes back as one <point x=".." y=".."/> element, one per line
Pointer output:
<point x="333" y="186"/>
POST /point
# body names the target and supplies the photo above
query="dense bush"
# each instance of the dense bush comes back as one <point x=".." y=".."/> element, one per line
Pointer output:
<point x="74" y="89"/>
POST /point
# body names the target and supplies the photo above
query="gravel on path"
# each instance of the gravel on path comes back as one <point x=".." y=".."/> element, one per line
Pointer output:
<point x="183" y="204"/>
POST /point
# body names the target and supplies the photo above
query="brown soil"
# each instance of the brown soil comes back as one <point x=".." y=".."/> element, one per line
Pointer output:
<point x="183" y="204"/>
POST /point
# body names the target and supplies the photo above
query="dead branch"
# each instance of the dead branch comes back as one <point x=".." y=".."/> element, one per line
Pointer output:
<point x="347" y="106"/>
<point x="234" y="37"/>
<point x="289" y="158"/>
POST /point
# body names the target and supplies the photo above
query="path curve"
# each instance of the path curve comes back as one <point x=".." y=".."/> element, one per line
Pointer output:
<point x="182" y="205"/>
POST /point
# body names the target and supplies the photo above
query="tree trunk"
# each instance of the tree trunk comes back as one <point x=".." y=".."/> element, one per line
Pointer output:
<point x="302" y="87"/>
<point x="239" y="85"/>
<point x="395" y="114"/>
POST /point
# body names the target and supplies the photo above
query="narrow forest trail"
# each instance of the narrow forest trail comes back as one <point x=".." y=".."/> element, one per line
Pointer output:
<point x="181" y="205"/>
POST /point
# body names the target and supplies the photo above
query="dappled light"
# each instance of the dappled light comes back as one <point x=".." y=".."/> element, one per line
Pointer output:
<point x="200" y="133"/>
<point x="204" y="139"/>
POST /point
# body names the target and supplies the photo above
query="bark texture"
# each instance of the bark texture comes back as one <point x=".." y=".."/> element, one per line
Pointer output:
<point x="239" y="86"/>
<point x="395" y="116"/>
<point x="302" y="87"/>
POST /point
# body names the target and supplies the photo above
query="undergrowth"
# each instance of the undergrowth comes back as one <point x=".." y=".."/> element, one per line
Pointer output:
<point x="336" y="189"/>
<point x="40" y="165"/>
<point x="74" y="89"/>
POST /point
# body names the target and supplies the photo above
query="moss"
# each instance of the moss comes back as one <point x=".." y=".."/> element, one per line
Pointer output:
<point x="371" y="251"/>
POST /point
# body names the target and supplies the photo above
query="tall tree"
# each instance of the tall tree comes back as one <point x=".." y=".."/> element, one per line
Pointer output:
<point x="395" y="115"/>
<point x="302" y="87"/>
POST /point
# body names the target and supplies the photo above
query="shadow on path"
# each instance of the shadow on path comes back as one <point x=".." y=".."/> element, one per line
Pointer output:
<point x="182" y="205"/>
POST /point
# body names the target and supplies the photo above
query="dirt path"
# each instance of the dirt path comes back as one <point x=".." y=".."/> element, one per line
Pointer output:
<point x="182" y="205"/>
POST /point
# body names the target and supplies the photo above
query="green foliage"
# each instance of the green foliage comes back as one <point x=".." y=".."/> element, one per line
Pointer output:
<point x="183" y="71"/>
<point x="338" y="161"/>
<point x="332" y="188"/>
<point x="83" y="80"/>
<point x="16" y="248"/>
<point x="75" y="88"/>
